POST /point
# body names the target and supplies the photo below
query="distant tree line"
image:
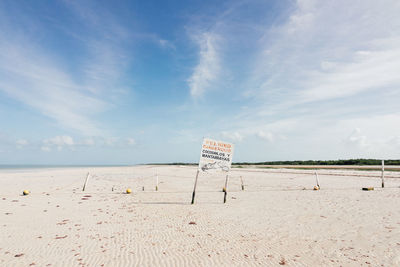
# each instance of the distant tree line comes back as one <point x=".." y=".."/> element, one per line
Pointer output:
<point x="358" y="162"/>
<point x="325" y="162"/>
<point x="173" y="163"/>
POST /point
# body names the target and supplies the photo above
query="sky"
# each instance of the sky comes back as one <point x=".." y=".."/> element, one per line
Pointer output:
<point x="131" y="82"/>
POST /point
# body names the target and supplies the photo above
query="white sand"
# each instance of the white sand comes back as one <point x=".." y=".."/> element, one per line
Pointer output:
<point x="272" y="222"/>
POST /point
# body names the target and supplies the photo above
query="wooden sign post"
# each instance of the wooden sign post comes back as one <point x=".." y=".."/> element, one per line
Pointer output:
<point x="194" y="188"/>
<point x="225" y="189"/>
<point x="215" y="156"/>
<point x="383" y="173"/>
<point x="241" y="181"/>
<point x="316" y="178"/>
<point x="156" y="181"/>
<point x="86" y="181"/>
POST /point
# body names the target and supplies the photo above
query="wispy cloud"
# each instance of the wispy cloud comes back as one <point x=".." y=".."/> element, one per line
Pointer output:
<point x="357" y="139"/>
<point x="131" y="141"/>
<point x="58" y="142"/>
<point x="40" y="79"/>
<point x="21" y="143"/>
<point x="208" y="68"/>
<point x="166" y="44"/>
<point x="268" y="136"/>
<point x="232" y="136"/>
<point x="323" y="54"/>
<point x="48" y="91"/>
<point x="322" y="68"/>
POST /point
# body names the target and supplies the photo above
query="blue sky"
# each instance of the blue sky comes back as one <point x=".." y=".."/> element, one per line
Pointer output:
<point x="126" y="82"/>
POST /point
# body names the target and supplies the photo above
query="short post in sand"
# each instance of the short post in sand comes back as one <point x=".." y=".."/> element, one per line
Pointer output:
<point x="241" y="181"/>
<point x="383" y="173"/>
<point x="86" y="181"/>
<point x="195" y="185"/>
<point x="156" y="181"/>
<point x="226" y="184"/>
<point x="317" y="180"/>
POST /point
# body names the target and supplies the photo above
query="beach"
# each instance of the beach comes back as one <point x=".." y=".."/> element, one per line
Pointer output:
<point x="276" y="220"/>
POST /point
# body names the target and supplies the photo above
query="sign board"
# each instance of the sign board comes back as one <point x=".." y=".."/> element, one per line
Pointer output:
<point x="215" y="156"/>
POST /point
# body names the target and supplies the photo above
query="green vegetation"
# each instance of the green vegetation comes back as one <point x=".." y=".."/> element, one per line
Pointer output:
<point x="358" y="162"/>
<point x="173" y="163"/>
<point x="355" y="162"/>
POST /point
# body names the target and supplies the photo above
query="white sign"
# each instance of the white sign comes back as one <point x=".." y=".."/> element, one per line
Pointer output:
<point x="215" y="156"/>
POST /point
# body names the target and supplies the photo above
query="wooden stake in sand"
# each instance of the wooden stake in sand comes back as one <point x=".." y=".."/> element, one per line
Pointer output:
<point x="383" y="173"/>
<point x="194" y="188"/>
<point x="316" y="178"/>
<point x="226" y="184"/>
<point x="241" y="181"/>
<point x="86" y="181"/>
<point x="156" y="181"/>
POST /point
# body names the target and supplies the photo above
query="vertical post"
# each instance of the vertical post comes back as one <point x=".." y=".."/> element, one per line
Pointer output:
<point x="156" y="181"/>
<point x="383" y="173"/>
<point x="241" y="181"/>
<point x="226" y="184"/>
<point x="195" y="185"/>
<point x="86" y="181"/>
<point x="316" y="178"/>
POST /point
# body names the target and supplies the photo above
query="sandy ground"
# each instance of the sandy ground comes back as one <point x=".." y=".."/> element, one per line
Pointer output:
<point x="277" y="220"/>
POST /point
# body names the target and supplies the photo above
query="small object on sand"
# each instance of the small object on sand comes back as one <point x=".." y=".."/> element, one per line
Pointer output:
<point x="193" y="223"/>
<point x="367" y="188"/>
<point x="25" y="192"/>
<point x="316" y="187"/>
<point x="128" y="191"/>
<point x="223" y="189"/>
<point x="19" y="255"/>
<point x="142" y="188"/>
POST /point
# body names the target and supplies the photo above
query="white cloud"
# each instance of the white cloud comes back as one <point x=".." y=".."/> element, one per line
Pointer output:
<point x="40" y="84"/>
<point x="88" y="142"/>
<point x="166" y="44"/>
<point x="329" y="68"/>
<point x="375" y="70"/>
<point x="357" y="139"/>
<point x="208" y="68"/>
<point x="45" y="148"/>
<point x="110" y="141"/>
<point x="232" y="136"/>
<point x="328" y="50"/>
<point x="59" y="141"/>
<point x="266" y="136"/>
<point x="131" y="141"/>
<point x="22" y="142"/>
<point x="41" y="79"/>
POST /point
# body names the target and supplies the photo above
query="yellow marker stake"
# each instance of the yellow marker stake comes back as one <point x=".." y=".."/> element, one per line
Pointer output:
<point x="25" y="192"/>
<point x="128" y="191"/>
